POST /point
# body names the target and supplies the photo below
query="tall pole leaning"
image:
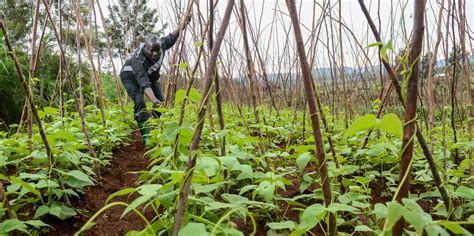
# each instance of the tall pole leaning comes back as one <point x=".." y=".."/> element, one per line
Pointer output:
<point x="183" y="195"/>
<point x="409" y="128"/>
<point x="220" y="114"/>
<point x="421" y="140"/>
<point x="28" y="93"/>
<point x="307" y="79"/>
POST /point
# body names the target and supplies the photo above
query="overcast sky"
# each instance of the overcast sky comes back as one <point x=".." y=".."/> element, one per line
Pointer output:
<point x="271" y="10"/>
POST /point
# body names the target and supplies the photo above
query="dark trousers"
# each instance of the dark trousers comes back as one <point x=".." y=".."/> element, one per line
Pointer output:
<point x="137" y="95"/>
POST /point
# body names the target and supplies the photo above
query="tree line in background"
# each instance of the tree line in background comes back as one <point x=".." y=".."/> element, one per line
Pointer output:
<point x="127" y="26"/>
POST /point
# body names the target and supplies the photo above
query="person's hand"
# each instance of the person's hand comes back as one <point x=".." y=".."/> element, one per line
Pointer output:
<point x="186" y="21"/>
<point x="157" y="103"/>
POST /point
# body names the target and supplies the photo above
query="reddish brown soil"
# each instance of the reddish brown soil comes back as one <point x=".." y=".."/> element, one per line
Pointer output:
<point x="116" y="176"/>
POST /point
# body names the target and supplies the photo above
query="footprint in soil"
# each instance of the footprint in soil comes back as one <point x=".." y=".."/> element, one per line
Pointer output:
<point x="115" y="177"/>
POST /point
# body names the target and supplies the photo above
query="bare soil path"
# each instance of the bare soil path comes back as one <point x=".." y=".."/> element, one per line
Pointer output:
<point x="120" y="174"/>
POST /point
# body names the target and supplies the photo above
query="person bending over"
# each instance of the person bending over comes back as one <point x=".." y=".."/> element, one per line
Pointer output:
<point x="141" y="72"/>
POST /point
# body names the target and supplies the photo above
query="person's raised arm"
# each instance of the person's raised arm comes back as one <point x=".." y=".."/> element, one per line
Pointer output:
<point x="182" y="26"/>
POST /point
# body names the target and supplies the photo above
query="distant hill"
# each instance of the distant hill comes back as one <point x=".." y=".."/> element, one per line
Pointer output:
<point x="442" y="63"/>
<point x="350" y="72"/>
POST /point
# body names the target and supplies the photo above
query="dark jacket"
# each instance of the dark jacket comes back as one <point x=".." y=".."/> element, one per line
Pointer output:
<point x="144" y="70"/>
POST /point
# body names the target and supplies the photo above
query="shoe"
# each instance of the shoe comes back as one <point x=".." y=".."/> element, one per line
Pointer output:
<point x="145" y="131"/>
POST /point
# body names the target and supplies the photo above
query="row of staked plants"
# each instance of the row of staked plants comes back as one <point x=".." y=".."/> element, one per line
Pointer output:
<point x="34" y="188"/>
<point x="267" y="181"/>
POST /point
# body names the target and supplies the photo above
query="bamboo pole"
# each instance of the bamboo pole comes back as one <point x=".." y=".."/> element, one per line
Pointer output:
<point x="251" y="74"/>
<point x="457" y="160"/>
<point x="409" y="128"/>
<point x="183" y="196"/>
<point x="307" y="78"/>
<point x="342" y="72"/>
<point x="109" y="48"/>
<point x="28" y="93"/>
<point x="81" y="94"/>
<point x="31" y="73"/>
<point x="431" y="98"/>
<point x="97" y="78"/>
<point x="439" y="183"/>
<point x="171" y="87"/>
<point x="217" y="85"/>
<point x="466" y="77"/>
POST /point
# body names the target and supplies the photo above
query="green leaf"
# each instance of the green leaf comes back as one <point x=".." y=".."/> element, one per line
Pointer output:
<point x="436" y="230"/>
<point x="120" y="193"/>
<point x="36" y="223"/>
<point x="46" y="183"/>
<point x="50" y="110"/>
<point x="195" y="95"/>
<point x="233" y="198"/>
<point x="167" y="198"/>
<point x="389" y="45"/>
<point x="229" y="230"/>
<point x="11" y="225"/>
<point x="67" y="212"/>
<point x="465" y="192"/>
<point x="68" y="191"/>
<point x="79" y="175"/>
<point x="311" y="216"/>
<point x="32" y="176"/>
<point x="192" y="229"/>
<point x="61" y="211"/>
<point x="247" y="172"/>
<point x="412" y="205"/>
<point x="380" y="211"/>
<point x="218" y="205"/>
<point x="390" y="123"/>
<point x="55" y="211"/>
<point x="172" y="130"/>
<point x="179" y="97"/>
<point x="26" y="185"/>
<point x="183" y="66"/>
<point x="415" y="220"/>
<point x="267" y="192"/>
<point x="464" y="165"/>
<point x="208" y="165"/>
<point x="13" y="188"/>
<point x="304" y="185"/>
<point x="198" y="44"/>
<point x="282" y="225"/>
<point x="383" y="54"/>
<point x="362" y="123"/>
<point x="41" y="114"/>
<point x="335" y="207"/>
<point x="137" y="202"/>
<point x="206" y="188"/>
<point x="160" y="109"/>
<point x="376" y="44"/>
<point x="395" y="212"/>
<point x="149" y="189"/>
<point x="64" y="135"/>
<point x="186" y="134"/>
<point x="303" y="160"/>
<point x="363" y="228"/>
<point x="454" y="227"/>
<point x="42" y="210"/>
<point x="246" y="188"/>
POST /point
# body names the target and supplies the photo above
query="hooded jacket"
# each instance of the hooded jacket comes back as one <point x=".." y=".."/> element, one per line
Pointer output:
<point x="144" y="70"/>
